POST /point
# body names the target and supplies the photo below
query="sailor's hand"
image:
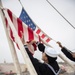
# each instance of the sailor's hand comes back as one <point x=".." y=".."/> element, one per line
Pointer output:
<point x="33" y="41"/>
<point x="59" y="43"/>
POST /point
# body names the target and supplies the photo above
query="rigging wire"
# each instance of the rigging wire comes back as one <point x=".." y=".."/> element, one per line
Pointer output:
<point x="21" y="3"/>
<point x="61" y="15"/>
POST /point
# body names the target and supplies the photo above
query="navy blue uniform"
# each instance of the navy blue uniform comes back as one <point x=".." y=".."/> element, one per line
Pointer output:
<point x="42" y="68"/>
<point x="68" y="54"/>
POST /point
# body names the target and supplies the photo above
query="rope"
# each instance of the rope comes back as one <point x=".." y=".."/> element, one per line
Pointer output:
<point x="61" y="15"/>
<point x="21" y="3"/>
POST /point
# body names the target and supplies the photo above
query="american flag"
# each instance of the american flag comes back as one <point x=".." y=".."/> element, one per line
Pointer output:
<point x="20" y="26"/>
<point x="28" y="21"/>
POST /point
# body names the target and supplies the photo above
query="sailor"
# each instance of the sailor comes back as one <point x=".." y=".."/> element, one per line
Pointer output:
<point x="49" y="56"/>
<point x="70" y="54"/>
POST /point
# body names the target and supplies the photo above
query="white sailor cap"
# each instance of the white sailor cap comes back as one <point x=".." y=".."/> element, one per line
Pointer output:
<point x="51" y="52"/>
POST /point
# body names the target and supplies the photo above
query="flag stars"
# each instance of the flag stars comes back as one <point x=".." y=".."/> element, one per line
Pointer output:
<point x="21" y="18"/>
<point x="26" y="19"/>
<point x="29" y="20"/>
<point x="29" y="25"/>
<point x="23" y="12"/>
<point x="34" y="28"/>
<point x="26" y="16"/>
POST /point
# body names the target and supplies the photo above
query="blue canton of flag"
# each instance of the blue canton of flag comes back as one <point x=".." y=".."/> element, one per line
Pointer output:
<point x="26" y="19"/>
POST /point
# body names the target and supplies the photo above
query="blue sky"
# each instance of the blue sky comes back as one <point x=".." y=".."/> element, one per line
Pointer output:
<point x="46" y="18"/>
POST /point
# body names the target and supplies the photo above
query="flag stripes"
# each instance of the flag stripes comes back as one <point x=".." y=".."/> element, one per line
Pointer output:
<point x="20" y="27"/>
<point x="28" y="21"/>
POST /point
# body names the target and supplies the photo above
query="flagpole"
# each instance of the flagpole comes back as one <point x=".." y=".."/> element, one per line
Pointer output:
<point x="11" y="45"/>
<point x="22" y="49"/>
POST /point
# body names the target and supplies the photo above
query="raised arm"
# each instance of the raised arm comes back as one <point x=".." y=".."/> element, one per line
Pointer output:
<point x="66" y="52"/>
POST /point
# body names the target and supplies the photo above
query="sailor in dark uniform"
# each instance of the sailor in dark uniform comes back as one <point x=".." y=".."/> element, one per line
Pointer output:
<point x="49" y="56"/>
<point x="68" y="53"/>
